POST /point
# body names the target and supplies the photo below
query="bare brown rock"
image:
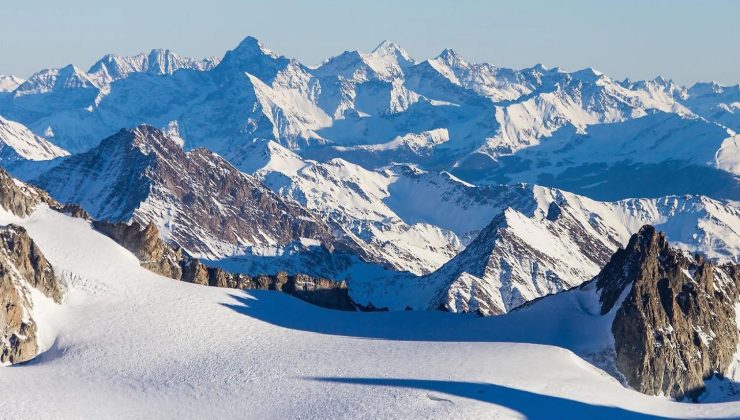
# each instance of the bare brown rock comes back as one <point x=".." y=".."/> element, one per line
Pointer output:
<point x="157" y="256"/>
<point x="676" y="325"/>
<point x="153" y="253"/>
<point x="22" y="265"/>
<point x="19" y="198"/>
<point x="26" y="257"/>
<point x="17" y="328"/>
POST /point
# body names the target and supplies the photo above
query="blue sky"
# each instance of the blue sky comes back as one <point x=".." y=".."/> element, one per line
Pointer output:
<point x="683" y="40"/>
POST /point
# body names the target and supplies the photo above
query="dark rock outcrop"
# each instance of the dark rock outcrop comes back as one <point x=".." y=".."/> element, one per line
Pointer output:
<point x="21" y="252"/>
<point x="19" y="198"/>
<point x="675" y="323"/>
<point x="153" y="253"/>
<point x="22" y="265"/>
<point x="157" y="256"/>
<point x="22" y="199"/>
<point x="318" y="291"/>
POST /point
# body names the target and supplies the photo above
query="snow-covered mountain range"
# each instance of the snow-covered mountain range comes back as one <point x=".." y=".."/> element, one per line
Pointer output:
<point x="403" y="177"/>
<point x="381" y="182"/>
<point x="478" y="121"/>
<point x="401" y="236"/>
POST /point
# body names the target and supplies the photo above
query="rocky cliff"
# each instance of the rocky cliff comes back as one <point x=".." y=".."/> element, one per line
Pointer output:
<point x="153" y="253"/>
<point x="675" y="322"/>
<point x="20" y="198"/>
<point x="22" y="266"/>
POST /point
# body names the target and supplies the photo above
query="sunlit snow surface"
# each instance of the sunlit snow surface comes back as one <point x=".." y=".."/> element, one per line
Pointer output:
<point x="129" y="344"/>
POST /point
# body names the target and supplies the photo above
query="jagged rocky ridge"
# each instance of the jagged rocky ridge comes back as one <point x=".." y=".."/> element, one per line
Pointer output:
<point x="21" y="199"/>
<point x="421" y="219"/>
<point x="674" y="315"/>
<point x="398" y="217"/>
<point x="22" y="267"/>
<point x="157" y="256"/>
<point x="114" y="67"/>
<point x="199" y="200"/>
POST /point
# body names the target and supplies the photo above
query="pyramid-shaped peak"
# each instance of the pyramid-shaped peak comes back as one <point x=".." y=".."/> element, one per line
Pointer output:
<point x="388" y="48"/>
<point x="252" y="45"/>
<point x="450" y="56"/>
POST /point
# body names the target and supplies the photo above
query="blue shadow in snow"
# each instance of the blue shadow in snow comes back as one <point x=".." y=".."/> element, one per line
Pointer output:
<point x="436" y="326"/>
<point x="529" y="404"/>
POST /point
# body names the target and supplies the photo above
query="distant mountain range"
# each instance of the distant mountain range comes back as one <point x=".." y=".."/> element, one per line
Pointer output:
<point x="580" y="131"/>
<point x="402" y="177"/>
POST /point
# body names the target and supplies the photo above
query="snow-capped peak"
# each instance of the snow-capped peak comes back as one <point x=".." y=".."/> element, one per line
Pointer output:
<point x="451" y="58"/>
<point x="252" y="46"/>
<point x="388" y="60"/>
<point x="267" y="156"/>
<point x="68" y="77"/>
<point x="589" y="74"/>
<point x="251" y="56"/>
<point x="391" y="49"/>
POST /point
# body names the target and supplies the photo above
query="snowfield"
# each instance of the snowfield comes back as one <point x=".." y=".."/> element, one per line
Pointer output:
<point x="127" y="343"/>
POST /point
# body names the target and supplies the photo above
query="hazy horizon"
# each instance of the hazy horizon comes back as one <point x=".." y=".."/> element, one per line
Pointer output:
<point x="687" y="41"/>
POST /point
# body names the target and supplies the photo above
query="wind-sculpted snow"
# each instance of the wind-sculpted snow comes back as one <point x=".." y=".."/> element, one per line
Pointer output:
<point x="384" y="107"/>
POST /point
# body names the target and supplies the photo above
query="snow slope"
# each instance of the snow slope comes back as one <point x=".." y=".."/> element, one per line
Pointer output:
<point x="129" y="344"/>
<point x="353" y="198"/>
<point x="18" y="142"/>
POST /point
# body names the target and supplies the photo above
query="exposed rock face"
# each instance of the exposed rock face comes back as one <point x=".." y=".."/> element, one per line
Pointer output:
<point x="208" y="206"/>
<point x="318" y="291"/>
<point x="22" y="199"/>
<point x="676" y="325"/>
<point x="155" y="255"/>
<point x="19" y="198"/>
<point x="22" y="265"/>
<point x="20" y="251"/>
